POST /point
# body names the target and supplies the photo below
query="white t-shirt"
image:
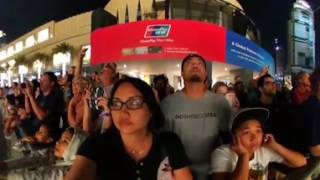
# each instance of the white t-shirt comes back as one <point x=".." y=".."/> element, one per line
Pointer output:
<point x="223" y="159"/>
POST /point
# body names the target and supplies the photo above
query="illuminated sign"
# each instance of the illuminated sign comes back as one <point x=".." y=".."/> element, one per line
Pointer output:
<point x="167" y="39"/>
<point x="244" y="53"/>
<point x="153" y="31"/>
<point x="174" y="39"/>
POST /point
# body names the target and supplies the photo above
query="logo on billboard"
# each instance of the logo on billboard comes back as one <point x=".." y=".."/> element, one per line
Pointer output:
<point x="157" y="31"/>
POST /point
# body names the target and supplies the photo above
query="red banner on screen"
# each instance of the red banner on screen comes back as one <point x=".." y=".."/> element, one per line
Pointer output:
<point x="158" y="39"/>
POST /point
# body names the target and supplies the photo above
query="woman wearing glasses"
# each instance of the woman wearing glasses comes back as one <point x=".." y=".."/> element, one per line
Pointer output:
<point x="133" y="148"/>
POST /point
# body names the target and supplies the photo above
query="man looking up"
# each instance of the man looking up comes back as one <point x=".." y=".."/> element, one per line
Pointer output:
<point x="196" y="115"/>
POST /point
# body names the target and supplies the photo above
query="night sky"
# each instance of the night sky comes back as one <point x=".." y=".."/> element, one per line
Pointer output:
<point x="271" y="17"/>
<point x="20" y="16"/>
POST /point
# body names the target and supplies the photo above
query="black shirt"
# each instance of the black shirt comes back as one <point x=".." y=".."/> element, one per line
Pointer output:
<point x="279" y="121"/>
<point x="53" y="103"/>
<point x="112" y="161"/>
<point x="311" y="112"/>
<point x="19" y="100"/>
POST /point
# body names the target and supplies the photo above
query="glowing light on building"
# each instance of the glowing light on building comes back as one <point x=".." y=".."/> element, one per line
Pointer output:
<point x="12" y="63"/>
<point x="19" y="46"/>
<point x="3" y="55"/>
<point x="30" y="41"/>
<point x="3" y="77"/>
<point x="302" y="4"/>
<point x="10" y="51"/>
<point x="22" y="71"/>
<point x="62" y="59"/>
<point x="43" y="35"/>
<point x="38" y="65"/>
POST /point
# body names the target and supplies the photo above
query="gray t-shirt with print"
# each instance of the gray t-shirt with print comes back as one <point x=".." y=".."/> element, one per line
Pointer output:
<point x="198" y="123"/>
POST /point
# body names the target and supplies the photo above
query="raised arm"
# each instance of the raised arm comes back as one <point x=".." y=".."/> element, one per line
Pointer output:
<point x="88" y="124"/>
<point x="79" y="62"/>
<point x="27" y="105"/>
<point x="291" y="158"/>
<point x="72" y="120"/>
<point x="36" y="108"/>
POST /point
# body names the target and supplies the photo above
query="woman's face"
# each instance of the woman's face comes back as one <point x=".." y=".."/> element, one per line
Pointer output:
<point x="76" y="87"/>
<point x="133" y="119"/>
<point x="62" y="144"/>
<point x="250" y="134"/>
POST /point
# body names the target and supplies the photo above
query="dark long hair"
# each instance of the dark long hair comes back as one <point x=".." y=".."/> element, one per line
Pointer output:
<point x="157" y="118"/>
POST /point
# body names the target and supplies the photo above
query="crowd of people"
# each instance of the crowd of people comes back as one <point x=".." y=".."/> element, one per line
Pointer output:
<point x="103" y="126"/>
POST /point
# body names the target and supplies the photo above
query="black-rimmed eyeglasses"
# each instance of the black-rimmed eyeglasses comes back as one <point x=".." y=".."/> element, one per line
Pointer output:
<point x="132" y="103"/>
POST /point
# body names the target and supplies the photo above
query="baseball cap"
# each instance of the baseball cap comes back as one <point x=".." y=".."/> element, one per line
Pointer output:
<point x="259" y="114"/>
<point x="189" y="56"/>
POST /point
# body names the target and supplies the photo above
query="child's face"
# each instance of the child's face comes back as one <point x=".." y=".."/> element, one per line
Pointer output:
<point x="250" y="134"/>
<point x="42" y="135"/>
<point x="62" y="144"/>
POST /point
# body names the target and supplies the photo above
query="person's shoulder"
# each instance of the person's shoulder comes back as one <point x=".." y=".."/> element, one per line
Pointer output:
<point x="213" y="96"/>
<point x="223" y="151"/>
<point x="210" y="93"/>
<point x="168" y="138"/>
<point x="100" y="141"/>
<point x="264" y="151"/>
<point x="54" y="93"/>
<point x="173" y="98"/>
<point x="216" y="99"/>
<point x="97" y="146"/>
<point x="93" y="138"/>
<point x="310" y="105"/>
<point x="268" y="155"/>
<point x="102" y="137"/>
<point x="313" y="100"/>
<point x="225" y="148"/>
